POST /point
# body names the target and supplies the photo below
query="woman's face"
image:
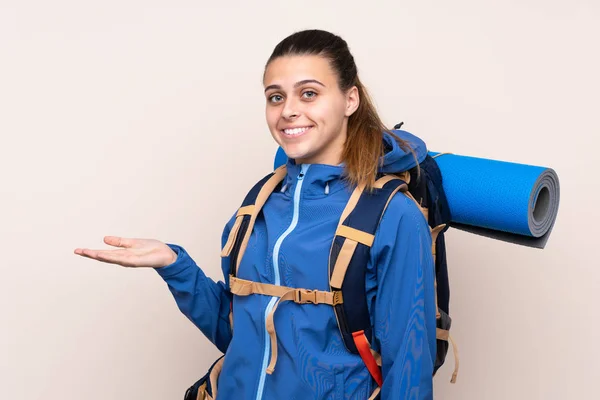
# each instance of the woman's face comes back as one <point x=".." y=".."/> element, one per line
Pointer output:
<point x="306" y="111"/>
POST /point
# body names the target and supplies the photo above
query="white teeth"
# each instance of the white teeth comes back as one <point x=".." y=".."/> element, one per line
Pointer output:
<point x="295" y="131"/>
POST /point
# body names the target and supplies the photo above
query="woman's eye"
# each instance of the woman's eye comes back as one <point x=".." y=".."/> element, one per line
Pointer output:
<point x="309" y="94"/>
<point x="275" y="98"/>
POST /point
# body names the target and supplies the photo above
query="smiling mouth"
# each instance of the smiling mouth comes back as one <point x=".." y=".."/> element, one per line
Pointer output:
<point x="295" y="131"/>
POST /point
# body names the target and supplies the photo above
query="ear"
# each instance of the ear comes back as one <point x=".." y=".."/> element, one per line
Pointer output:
<point x="352" y="101"/>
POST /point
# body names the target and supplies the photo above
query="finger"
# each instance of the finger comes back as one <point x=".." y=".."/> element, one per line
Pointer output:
<point x="82" y="253"/>
<point x="120" y="257"/>
<point x="85" y="253"/>
<point x="118" y="241"/>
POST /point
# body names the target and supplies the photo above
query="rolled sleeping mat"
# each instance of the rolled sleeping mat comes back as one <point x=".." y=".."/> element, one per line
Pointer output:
<point x="511" y="202"/>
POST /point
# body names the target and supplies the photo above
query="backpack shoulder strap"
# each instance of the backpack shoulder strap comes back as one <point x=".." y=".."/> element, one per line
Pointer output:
<point x="350" y="254"/>
<point x="348" y="259"/>
<point x="246" y="217"/>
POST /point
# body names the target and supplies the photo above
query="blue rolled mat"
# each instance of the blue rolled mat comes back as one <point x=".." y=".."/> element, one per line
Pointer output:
<point x="512" y="202"/>
<point x="516" y="203"/>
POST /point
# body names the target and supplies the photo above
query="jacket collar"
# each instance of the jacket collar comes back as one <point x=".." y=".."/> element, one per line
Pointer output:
<point x="320" y="180"/>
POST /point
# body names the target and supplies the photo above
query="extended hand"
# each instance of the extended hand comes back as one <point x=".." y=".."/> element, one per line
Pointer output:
<point x="149" y="253"/>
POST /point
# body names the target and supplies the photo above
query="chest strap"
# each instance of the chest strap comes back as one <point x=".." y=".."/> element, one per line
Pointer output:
<point x="242" y="287"/>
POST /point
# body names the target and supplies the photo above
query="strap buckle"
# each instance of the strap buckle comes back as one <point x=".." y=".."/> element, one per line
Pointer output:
<point x="337" y="297"/>
<point x="304" y="296"/>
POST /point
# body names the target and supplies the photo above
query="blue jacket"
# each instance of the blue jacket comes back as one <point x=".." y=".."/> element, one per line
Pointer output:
<point x="290" y="246"/>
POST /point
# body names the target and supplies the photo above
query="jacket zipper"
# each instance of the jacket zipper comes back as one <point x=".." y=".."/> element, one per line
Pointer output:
<point x="280" y="239"/>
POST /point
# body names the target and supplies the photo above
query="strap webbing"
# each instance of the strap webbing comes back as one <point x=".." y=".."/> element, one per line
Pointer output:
<point x="214" y="376"/>
<point x="226" y="252"/>
<point x="243" y="211"/>
<point x="242" y="287"/>
<point x="375" y="393"/>
<point x="202" y="395"/>
<point x="341" y="264"/>
<point x="401" y="188"/>
<point x="261" y="199"/>
<point x="455" y="351"/>
<point x="347" y="251"/>
<point x="356" y="235"/>
<point x="340" y="267"/>
<point x="443" y="334"/>
<point x="249" y="213"/>
<point x="380" y="183"/>
<point x="364" y="349"/>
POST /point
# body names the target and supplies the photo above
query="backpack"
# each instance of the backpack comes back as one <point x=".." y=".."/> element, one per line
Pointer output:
<point x="348" y="260"/>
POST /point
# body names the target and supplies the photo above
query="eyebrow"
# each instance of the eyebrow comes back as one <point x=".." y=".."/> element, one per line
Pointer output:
<point x="297" y="84"/>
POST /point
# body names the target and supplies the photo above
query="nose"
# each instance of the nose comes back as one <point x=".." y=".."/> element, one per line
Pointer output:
<point x="290" y="110"/>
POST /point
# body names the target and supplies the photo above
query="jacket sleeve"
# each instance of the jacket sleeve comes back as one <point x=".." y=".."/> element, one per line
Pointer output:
<point x="403" y="301"/>
<point x="203" y="301"/>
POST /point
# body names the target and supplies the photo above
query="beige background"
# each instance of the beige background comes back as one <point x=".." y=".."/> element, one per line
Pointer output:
<point x="146" y="119"/>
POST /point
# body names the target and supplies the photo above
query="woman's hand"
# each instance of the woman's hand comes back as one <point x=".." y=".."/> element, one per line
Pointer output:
<point x="149" y="253"/>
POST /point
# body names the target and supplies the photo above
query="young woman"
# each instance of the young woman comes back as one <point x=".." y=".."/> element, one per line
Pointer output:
<point x="319" y="112"/>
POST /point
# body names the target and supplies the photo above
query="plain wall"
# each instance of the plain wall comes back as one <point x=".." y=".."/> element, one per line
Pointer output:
<point x="146" y="119"/>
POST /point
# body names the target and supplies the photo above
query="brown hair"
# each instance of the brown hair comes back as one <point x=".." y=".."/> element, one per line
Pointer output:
<point x="364" y="146"/>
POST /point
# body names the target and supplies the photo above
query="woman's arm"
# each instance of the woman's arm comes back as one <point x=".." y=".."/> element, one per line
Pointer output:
<point x="205" y="302"/>
<point x="404" y="302"/>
